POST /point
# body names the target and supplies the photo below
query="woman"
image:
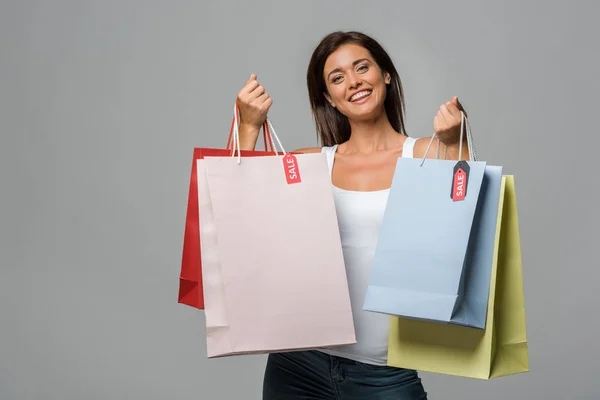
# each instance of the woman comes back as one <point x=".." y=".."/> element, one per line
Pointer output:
<point x="357" y="102"/>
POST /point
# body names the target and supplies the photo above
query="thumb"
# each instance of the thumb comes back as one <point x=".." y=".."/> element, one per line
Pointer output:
<point x="458" y="105"/>
<point x="252" y="77"/>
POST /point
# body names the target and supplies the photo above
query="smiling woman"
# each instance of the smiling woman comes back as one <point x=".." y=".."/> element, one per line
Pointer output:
<point x="357" y="101"/>
<point x="341" y="66"/>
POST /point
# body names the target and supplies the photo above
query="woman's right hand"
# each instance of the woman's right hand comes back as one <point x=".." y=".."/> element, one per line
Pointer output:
<point x="253" y="103"/>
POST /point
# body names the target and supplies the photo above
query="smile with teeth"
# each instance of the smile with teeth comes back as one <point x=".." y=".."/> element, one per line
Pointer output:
<point x="360" y="95"/>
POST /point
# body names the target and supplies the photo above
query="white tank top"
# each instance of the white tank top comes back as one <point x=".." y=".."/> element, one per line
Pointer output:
<point x="359" y="217"/>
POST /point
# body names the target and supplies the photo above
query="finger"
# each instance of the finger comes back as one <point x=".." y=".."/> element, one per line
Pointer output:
<point x="268" y="102"/>
<point x="446" y="116"/>
<point x="249" y="87"/>
<point x="439" y="118"/>
<point x="258" y="91"/>
<point x="440" y="121"/>
<point x="262" y="98"/>
<point x="453" y="109"/>
<point x="436" y="123"/>
<point x="252" y="78"/>
<point x="459" y="105"/>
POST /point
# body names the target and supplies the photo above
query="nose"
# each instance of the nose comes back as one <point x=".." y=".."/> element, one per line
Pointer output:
<point x="353" y="81"/>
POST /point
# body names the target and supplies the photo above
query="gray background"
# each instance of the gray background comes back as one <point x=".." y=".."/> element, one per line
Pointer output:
<point x="102" y="102"/>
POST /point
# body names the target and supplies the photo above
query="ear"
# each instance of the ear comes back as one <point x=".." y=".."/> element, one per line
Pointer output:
<point x="387" y="77"/>
<point x="329" y="99"/>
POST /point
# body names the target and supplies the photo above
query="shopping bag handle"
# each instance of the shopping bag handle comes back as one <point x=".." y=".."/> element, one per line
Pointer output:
<point x="465" y="128"/>
<point x="267" y="129"/>
<point x="268" y="140"/>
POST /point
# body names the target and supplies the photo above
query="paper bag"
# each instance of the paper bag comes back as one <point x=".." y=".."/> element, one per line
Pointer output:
<point x="275" y="278"/>
<point x="438" y="213"/>
<point x="498" y="350"/>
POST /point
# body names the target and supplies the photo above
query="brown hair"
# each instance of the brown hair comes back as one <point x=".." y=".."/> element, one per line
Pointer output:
<point x="332" y="126"/>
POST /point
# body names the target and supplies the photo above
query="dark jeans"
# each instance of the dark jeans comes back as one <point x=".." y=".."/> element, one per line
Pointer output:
<point x="315" y="375"/>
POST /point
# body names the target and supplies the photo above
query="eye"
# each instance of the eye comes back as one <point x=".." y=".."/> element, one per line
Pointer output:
<point x="362" y="68"/>
<point x="336" y="79"/>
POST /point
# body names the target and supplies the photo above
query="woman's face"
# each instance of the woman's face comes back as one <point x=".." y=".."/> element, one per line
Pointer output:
<point x="355" y="83"/>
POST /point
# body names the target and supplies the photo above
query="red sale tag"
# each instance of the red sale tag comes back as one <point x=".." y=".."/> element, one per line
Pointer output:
<point x="459" y="181"/>
<point x="290" y="166"/>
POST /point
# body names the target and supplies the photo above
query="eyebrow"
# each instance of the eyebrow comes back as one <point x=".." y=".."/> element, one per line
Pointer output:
<point x="353" y="64"/>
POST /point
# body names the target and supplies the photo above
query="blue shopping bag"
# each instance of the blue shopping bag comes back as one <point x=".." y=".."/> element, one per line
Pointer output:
<point x="434" y="255"/>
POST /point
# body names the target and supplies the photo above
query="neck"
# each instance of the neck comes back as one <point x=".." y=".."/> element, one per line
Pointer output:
<point x="371" y="135"/>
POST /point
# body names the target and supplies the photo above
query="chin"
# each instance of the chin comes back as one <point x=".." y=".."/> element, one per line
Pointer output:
<point x="365" y="112"/>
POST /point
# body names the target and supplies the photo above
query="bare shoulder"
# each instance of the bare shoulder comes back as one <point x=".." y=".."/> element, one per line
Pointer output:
<point x="307" y="150"/>
<point x="421" y="146"/>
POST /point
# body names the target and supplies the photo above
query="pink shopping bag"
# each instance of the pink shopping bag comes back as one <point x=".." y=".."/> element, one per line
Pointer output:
<point x="273" y="270"/>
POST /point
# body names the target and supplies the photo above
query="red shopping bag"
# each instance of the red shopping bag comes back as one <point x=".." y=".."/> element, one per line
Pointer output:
<point x="190" y="277"/>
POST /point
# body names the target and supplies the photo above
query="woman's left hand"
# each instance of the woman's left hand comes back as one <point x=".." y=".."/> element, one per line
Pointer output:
<point x="446" y="123"/>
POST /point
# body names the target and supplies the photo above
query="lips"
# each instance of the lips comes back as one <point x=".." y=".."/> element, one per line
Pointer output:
<point x="360" y="95"/>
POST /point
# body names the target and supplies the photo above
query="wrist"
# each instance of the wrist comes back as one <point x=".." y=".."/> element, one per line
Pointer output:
<point x="248" y="136"/>
<point x="249" y="129"/>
